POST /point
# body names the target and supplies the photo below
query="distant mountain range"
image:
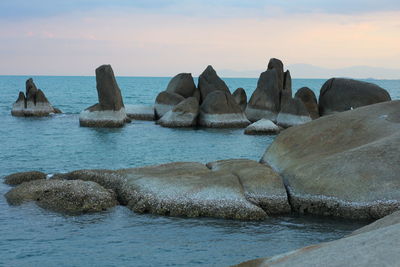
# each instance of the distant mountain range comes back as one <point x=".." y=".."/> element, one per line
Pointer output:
<point x="311" y="71"/>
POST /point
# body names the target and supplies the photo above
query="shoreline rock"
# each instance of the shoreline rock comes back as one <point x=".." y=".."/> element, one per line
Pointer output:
<point x="21" y="177"/>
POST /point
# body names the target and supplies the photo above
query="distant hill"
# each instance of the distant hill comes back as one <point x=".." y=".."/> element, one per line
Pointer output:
<point x="311" y="71"/>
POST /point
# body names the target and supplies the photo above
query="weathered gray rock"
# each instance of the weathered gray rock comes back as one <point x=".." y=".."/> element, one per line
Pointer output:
<point x="388" y="220"/>
<point x="375" y="248"/>
<point x="21" y="177"/>
<point x="277" y="65"/>
<point x="210" y="82"/>
<point x="338" y="94"/>
<point x="265" y="100"/>
<point x="182" y="84"/>
<point x="183" y="114"/>
<point x="307" y="96"/>
<point x="140" y="112"/>
<point x="240" y="97"/>
<point x="293" y="112"/>
<point x="286" y="92"/>
<point x="233" y="189"/>
<point x="344" y="165"/>
<point x="262" y="127"/>
<point x="72" y="197"/>
<point x="220" y="110"/>
<point x="34" y="104"/>
<point x="165" y="102"/>
<point x="110" y="111"/>
<point x="262" y="186"/>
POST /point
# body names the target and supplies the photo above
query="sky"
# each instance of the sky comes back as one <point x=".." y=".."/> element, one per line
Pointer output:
<point x="163" y="38"/>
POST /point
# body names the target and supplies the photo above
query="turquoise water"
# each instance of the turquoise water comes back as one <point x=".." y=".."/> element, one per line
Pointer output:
<point x="30" y="236"/>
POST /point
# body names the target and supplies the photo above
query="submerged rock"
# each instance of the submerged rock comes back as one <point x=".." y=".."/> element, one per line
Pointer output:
<point x="183" y="114"/>
<point x="240" y="97"/>
<point x="140" y="112"/>
<point x="71" y="197"/>
<point x="233" y="189"/>
<point x="262" y="126"/>
<point x="344" y="165"/>
<point x="110" y="111"/>
<point x="307" y="96"/>
<point x="33" y="104"/>
<point x="220" y="110"/>
<point x="21" y="177"/>
<point x="209" y="82"/>
<point x="339" y="94"/>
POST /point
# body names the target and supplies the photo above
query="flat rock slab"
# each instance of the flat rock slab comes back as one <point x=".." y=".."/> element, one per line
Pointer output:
<point x="375" y="248"/>
<point x="193" y="190"/>
<point x="71" y="197"/>
<point x="262" y="127"/>
<point x="344" y="165"/>
<point x="140" y="112"/>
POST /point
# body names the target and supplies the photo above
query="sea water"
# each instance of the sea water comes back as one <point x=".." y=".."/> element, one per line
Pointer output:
<point x="31" y="236"/>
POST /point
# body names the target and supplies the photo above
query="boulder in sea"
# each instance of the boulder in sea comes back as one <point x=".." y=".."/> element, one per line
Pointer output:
<point x="307" y="96"/>
<point x="33" y="104"/>
<point x="339" y="94"/>
<point x="220" y="110"/>
<point x="140" y="112"/>
<point x="71" y="197"/>
<point x="110" y="111"/>
<point x="183" y="114"/>
<point x="209" y="82"/>
<point x="240" y="98"/>
<point x="293" y="112"/>
<point x="165" y="102"/>
<point x="232" y="189"/>
<point x="277" y="65"/>
<point x="264" y="103"/>
<point x="262" y="127"/>
<point x="183" y="84"/>
<point x="344" y="165"/>
<point x="21" y="177"/>
<point x="379" y="247"/>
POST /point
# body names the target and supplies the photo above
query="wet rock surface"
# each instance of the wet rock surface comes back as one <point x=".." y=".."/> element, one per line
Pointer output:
<point x="21" y="177"/>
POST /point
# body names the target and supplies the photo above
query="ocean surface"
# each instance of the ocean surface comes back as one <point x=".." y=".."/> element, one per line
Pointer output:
<point x="31" y="236"/>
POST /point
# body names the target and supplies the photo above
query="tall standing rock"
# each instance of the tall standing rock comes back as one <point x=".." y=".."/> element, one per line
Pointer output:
<point x="220" y="110"/>
<point x="34" y="103"/>
<point x="307" y="96"/>
<point x="277" y="65"/>
<point x="210" y="82"/>
<point x="265" y="101"/>
<point x="110" y="111"/>
<point x="338" y="94"/>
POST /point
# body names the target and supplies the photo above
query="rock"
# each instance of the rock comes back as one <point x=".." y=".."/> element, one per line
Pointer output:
<point x="277" y="65"/>
<point x="182" y="84"/>
<point x="182" y="115"/>
<point x="338" y="94"/>
<point x="165" y="101"/>
<point x="388" y="220"/>
<point x="375" y="248"/>
<point x="286" y="92"/>
<point x="34" y="104"/>
<point x="236" y="189"/>
<point x="262" y="126"/>
<point x="140" y="112"/>
<point x="210" y="82"/>
<point x="20" y="177"/>
<point x="307" y="96"/>
<point x="344" y="165"/>
<point x="293" y="112"/>
<point x="220" y="110"/>
<point x="110" y="111"/>
<point x="262" y="186"/>
<point x="265" y="100"/>
<point x="240" y="97"/>
<point x="71" y="197"/>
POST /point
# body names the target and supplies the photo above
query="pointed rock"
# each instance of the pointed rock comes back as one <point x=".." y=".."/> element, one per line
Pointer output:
<point x="210" y="82"/>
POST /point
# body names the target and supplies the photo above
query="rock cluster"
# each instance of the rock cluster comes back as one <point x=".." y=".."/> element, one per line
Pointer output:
<point x="110" y="111"/>
<point x="32" y="103"/>
<point x="209" y="105"/>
